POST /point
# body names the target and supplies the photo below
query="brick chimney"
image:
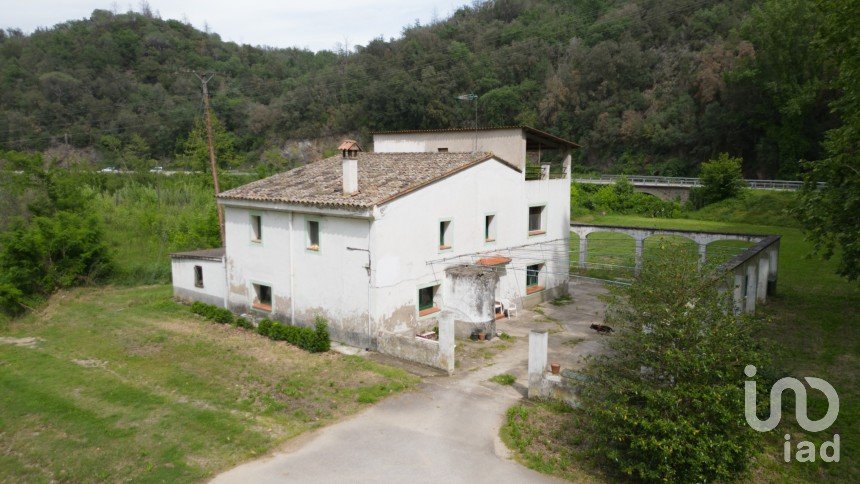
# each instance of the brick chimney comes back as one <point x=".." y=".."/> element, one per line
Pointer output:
<point x="349" y="148"/>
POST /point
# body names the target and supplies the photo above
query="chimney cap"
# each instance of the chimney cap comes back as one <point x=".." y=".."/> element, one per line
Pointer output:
<point x="349" y="145"/>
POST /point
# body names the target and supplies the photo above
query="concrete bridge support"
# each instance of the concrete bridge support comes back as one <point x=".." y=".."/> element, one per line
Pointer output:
<point x="538" y="343"/>
<point x="763" y="274"/>
<point x="750" y="290"/>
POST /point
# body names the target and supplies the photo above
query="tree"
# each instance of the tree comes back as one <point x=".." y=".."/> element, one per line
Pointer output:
<point x="830" y="213"/>
<point x="195" y="148"/>
<point x="721" y="179"/>
<point x="666" y="402"/>
<point x="61" y="244"/>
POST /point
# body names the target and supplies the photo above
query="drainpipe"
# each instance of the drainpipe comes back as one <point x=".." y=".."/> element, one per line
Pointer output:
<point x="292" y="273"/>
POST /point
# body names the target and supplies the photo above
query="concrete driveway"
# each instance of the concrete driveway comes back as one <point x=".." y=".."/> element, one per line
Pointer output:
<point x="445" y="431"/>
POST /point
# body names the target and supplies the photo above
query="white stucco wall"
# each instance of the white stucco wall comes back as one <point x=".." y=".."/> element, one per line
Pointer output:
<point x="508" y="144"/>
<point x="406" y="236"/>
<point x="331" y="282"/>
<point x="214" y="288"/>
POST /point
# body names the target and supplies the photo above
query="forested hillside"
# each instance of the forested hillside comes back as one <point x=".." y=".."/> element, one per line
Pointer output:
<point x="646" y="86"/>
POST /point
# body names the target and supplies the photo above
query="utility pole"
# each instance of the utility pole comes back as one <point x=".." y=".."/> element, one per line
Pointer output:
<point x="204" y="80"/>
<point x="472" y="97"/>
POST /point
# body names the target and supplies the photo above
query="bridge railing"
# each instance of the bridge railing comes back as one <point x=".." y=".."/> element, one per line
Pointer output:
<point x="689" y="181"/>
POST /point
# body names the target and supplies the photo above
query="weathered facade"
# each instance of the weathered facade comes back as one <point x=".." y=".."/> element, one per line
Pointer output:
<point x="353" y="238"/>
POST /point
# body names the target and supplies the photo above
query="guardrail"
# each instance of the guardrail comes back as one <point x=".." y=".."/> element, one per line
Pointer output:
<point x="689" y="181"/>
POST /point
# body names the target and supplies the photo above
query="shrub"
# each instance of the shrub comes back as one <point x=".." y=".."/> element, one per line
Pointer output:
<point x="721" y="179"/>
<point x="243" y="323"/>
<point x="620" y="198"/>
<point x="213" y="313"/>
<point x="315" y="340"/>
<point x="668" y="404"/>
<point x="198" y="307"/>
<point x="222" y="315"/>
<point x="264" y="327"/>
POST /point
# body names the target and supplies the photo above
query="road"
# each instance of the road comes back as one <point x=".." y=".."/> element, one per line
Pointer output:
<point x="445" y="431"/>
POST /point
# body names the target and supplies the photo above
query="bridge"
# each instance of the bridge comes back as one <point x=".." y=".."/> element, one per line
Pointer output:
<point x="670" y="187"/>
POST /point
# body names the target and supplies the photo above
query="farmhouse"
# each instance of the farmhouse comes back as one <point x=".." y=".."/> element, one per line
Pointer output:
<point x="377" y="242"/>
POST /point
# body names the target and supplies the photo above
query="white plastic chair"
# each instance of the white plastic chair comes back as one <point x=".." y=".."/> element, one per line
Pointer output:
<point x="510" y="308"/>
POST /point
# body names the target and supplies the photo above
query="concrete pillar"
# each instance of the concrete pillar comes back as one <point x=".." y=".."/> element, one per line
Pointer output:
<point x="639" y="246"/>
<point x="544" y="172"/>
<point x="738" y="292"/>
<point x="538" y="342"/>
<point x="703" y="254"/>
<point x="583" y="250"/>
<point x="763" y="271"/>
<point x="773" y="259"/>
<point x="750" y="289"/>
<point x="446" y="341"/>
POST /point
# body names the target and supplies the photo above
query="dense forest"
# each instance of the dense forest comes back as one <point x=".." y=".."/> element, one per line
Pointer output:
<point x="646" y="86"/>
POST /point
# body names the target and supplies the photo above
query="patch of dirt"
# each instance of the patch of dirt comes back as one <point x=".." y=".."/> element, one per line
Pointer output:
<point x="26" y="342"/>
<point x="90" y="363"/>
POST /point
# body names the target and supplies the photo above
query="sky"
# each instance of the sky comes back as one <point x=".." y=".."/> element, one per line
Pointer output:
<point x="312" y="24"/>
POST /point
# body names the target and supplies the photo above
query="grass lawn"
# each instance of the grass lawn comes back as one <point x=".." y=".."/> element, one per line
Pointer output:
<point x="814" y="329"/>
<point x="110" y="384"/>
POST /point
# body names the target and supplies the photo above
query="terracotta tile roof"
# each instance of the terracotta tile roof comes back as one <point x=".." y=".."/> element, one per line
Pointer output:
<point x="381" y="177"/>
<point x="349" y="144"/>
<point x="205" y="254"/>
<point x="493" y="260"/>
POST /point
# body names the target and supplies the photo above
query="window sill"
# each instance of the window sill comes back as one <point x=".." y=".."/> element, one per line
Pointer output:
<point x="427" y="312"/>
<point x="256" y="241"/>
<point x="490" y="240"/>
<point x="198" y="286"/>
<point x="533" y="289"/>
<point x="444" y="247"/>
<point x="314" y="248"/>
<point x="262" y="307"/>
<point x="536" y="232"/>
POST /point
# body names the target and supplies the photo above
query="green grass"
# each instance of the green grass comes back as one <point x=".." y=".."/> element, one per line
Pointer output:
<point x="813" y="329"/>
<point x="123" y="383"/>
<point x="504" y="379"/>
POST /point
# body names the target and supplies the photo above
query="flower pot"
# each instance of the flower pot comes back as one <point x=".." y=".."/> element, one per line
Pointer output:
<point x="555" y="367"/>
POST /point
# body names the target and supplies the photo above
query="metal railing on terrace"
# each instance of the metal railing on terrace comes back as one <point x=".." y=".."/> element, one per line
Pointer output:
<point x="673" y="181"/>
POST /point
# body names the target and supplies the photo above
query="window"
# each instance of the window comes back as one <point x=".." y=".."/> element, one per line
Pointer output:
<point x="198" y="276"/>
<point x="262" y="297"/>
<point x="533" y="278"/>
<point x="489" y="228"/>
<point x="313" y="235"/>
<point x="444" y="235"/>
<point x="536" y="220"/>
<point x="443" y="150"/>
<point x="256" y="228"/>
<point x="427" y="300"/>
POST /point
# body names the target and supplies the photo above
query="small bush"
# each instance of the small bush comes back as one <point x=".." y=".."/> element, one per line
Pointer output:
<point x="315" y="340"/>
<point x="243" y="323"/>
<point x="264" y="328"/>
<point x="199" y="308"/>
<point x="213" y="313"/>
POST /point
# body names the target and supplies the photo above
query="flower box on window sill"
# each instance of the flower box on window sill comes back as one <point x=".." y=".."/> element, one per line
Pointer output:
<point x="533" y="289"/>
<point x="428" y="311"/>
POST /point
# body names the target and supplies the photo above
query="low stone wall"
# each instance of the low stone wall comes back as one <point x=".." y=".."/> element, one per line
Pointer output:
<point x="437" y="354"/>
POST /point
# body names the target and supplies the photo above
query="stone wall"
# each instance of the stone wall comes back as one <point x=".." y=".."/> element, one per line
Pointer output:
<point x="437" y="354"/>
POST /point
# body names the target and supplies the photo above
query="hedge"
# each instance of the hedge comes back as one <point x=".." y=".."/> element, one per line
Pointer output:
<point x="314" y="339"/>
<point x="214" y="313"/>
